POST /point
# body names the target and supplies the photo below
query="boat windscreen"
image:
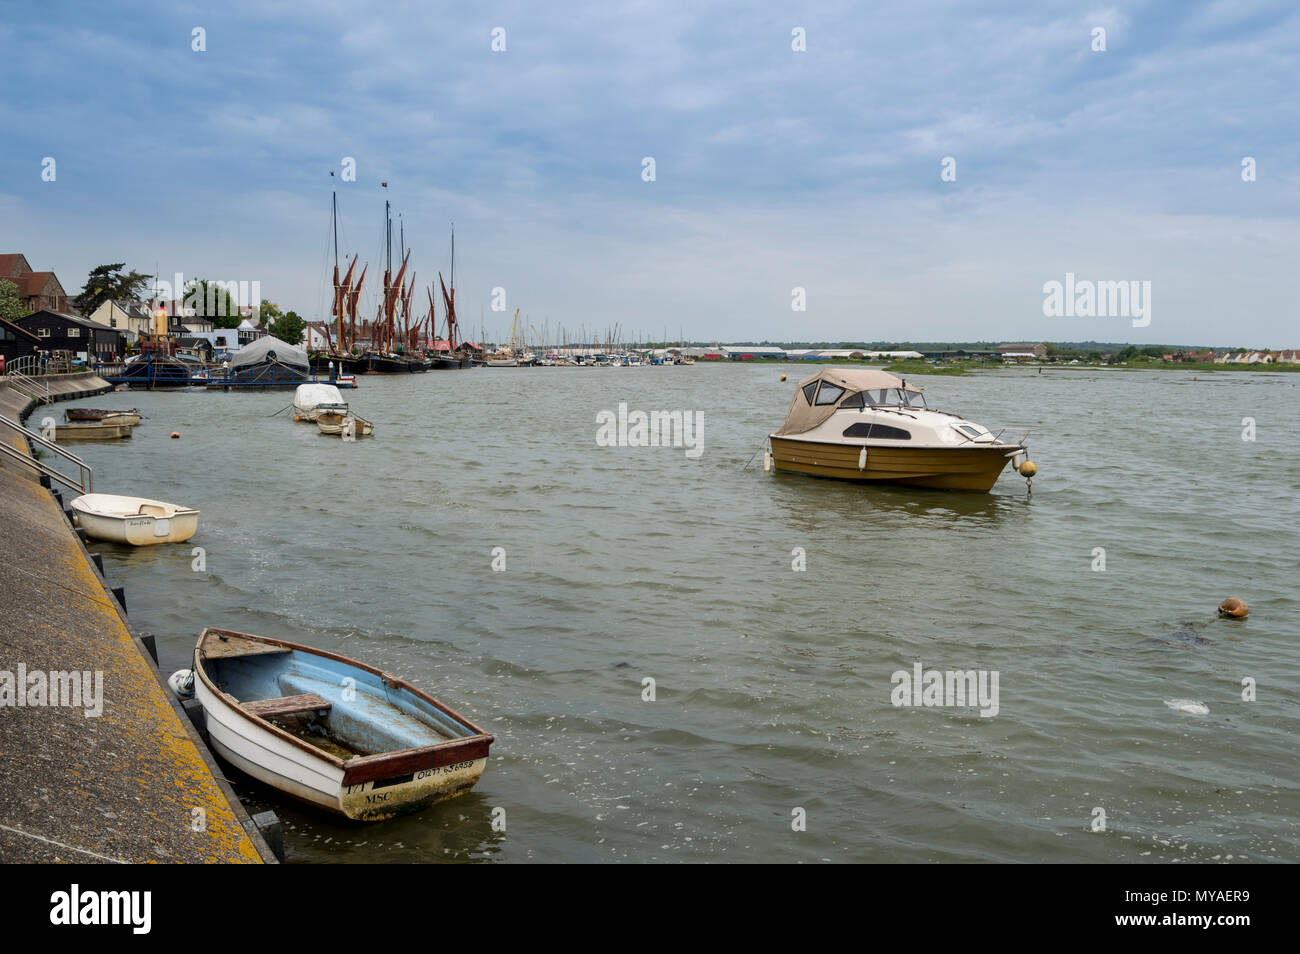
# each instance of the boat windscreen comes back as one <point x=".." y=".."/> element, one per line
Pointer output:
<point x="895" y="397"/>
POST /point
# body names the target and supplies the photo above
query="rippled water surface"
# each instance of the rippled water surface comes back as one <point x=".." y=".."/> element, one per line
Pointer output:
<point x="772" y="685"/>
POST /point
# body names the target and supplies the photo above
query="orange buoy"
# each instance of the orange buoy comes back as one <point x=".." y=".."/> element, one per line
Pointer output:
<point x="1233" y="608"/>
<point x="175" y="434"/>
<point x="783" y="377"/>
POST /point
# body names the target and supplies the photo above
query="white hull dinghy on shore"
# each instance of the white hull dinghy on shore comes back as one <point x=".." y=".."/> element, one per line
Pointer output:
<point x="138" y="521"/>
<point x="329" y="730"/>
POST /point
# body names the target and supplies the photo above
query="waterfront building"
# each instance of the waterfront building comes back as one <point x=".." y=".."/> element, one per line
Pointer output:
<point x="87" y="340"/>
<point x="37" y="289"/>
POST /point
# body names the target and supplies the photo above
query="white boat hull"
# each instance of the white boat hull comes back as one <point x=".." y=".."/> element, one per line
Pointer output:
<point x="266" y="756"/>
<point x="360" y="787"/>
<point x="173" y="525"/>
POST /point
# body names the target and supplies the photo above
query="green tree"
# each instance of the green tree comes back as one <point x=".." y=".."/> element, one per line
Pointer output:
<point x="267" y="312"/>
<point x="109" y="283"/>
<point x="11" y="303"/>
<point x="288" y="327"/>
<point x="211" y="300"/>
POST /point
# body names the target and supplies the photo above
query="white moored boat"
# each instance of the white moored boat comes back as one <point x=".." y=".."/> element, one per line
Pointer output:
<point x="138" y="521"/>
<point x="336" y="422"/>
<point x="329" y="730"/>
<point x="310" y="399"/>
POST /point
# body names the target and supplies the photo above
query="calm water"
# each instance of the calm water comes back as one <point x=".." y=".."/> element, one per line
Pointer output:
<point x="772" y="686"/>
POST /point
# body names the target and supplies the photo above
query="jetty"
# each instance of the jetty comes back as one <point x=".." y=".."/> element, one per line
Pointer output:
<point x="109" y="774"/>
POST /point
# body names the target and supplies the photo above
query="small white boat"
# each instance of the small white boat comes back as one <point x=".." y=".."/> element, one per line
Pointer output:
<point x="332" y="731"/>
<point x="81" y="415"/>
<point x="109" y="429"/>
<point x="138" y="521"/>
<point x="310" y="399"/>
<point x="338" y="422"/>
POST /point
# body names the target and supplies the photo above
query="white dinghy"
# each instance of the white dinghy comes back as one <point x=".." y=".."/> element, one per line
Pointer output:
<point x="310" y="399"/>
<point x="138" y="521"/>
<point x="344" y="736"/>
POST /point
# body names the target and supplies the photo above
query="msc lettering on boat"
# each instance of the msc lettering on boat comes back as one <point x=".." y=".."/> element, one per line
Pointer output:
<point x="955" y="687"/>
<point x="73" y="907"/>
<point x="38" y="689"/>
<point x="653" y="429"/>
<point x="1089" y="299"/>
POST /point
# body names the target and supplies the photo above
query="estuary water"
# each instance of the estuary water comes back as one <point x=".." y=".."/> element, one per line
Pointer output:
<point x="772" y="736"/>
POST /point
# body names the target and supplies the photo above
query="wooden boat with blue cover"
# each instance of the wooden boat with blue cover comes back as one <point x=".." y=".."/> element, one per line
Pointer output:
<point x="332" y="731"/>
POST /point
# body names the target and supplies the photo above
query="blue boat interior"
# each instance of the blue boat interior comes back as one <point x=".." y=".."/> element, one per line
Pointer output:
<point x="365" y="716"/>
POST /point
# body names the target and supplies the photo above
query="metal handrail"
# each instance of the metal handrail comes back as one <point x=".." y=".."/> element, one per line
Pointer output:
<point x="85" y="483"/>
<point x="38" y="391"/>
<point x="27" y="364"/>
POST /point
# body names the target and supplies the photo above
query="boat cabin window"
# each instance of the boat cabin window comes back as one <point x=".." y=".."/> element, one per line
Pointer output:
<point x="853" y="400"/>
<point x="968" y="430"/>
<point x="877" y="432"/>
<point x="829" y="394"/>
<point x="809" y="390"/>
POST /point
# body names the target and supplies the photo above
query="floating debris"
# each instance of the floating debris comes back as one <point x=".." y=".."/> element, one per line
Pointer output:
<point x="1190" y="706"/>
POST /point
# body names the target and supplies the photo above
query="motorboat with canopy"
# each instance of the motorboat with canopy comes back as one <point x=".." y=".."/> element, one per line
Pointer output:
<point x="865" y="424"/>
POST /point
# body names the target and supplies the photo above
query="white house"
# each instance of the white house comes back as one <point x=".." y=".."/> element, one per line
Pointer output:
<point x="317" y="337"/>
<point x="132" y="318"/>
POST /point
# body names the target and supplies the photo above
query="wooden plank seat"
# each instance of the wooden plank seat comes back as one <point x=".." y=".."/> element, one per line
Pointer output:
<point x="288" y="705"/>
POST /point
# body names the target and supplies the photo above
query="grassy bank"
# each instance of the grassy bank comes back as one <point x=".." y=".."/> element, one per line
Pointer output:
<point x="924" y="367"/>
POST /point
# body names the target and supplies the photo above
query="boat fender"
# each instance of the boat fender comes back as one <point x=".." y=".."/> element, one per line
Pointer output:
<point x="182" y="683"/>
<point x="862" y="460"/>
<point x="767" y="461"/>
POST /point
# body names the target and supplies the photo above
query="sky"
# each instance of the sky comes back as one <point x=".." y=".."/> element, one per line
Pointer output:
<point x="775" y="168"/>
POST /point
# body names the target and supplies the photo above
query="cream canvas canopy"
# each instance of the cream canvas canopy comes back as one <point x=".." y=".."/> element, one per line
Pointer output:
<point x="269" y="348"/>
<point x="804" y="415"/>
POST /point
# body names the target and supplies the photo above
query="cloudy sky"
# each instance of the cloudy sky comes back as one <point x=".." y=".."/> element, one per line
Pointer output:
<point x="774" y="168"/>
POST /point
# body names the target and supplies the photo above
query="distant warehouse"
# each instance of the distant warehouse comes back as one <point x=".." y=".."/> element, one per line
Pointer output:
<point x="747" y="353"/>
<point x="849" y="354"/>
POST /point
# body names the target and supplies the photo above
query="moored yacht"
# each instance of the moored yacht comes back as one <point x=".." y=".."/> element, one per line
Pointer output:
<point x="856" y="424"/>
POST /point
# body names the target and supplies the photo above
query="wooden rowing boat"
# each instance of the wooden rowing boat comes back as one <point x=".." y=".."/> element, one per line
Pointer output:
<point x="82" y="414"/>
<point x="138" y="521"/>
<point x="337" y="422"/>
<point x="98" y="431"/>
<point x="332" y="731"/>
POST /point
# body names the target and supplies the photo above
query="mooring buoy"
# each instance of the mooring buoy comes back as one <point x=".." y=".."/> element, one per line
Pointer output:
<point x="1233" y="608"/>
<point x="176" y="435"/>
